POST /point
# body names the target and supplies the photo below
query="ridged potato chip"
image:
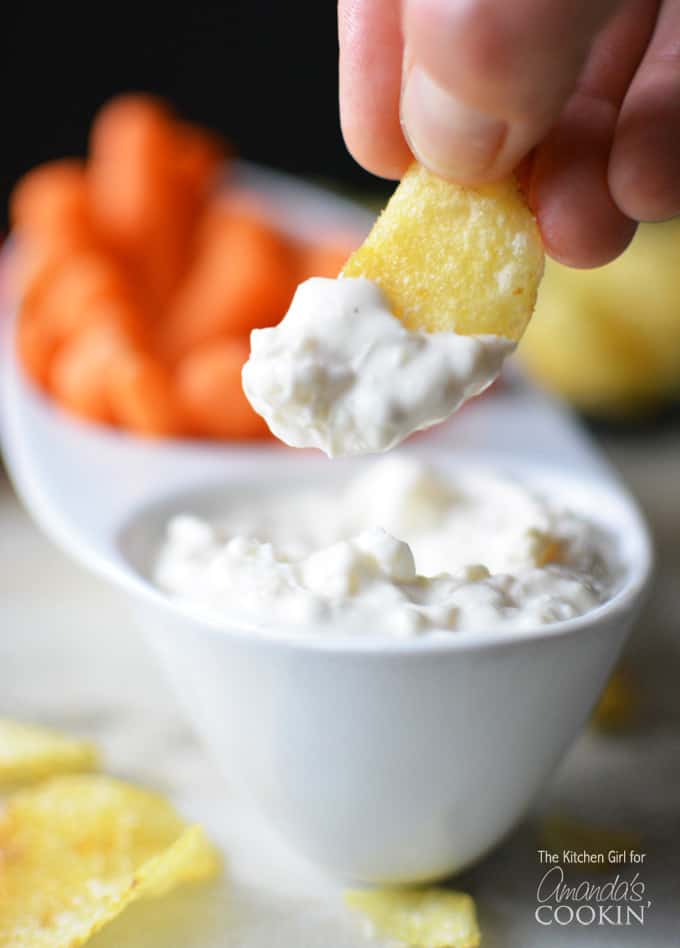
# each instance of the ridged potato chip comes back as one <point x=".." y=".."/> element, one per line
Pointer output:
<point x="421" y="918"/>
<point x="29" y="753"/>
<point x="76" y="850"/>
<point x="454" y="258"/>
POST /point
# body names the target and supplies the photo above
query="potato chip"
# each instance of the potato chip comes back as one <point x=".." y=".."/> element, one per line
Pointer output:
<point x="422" y="918"/>
<point x="76" y="850"/>
<point x="30" y="753"/>
<point x="608" y="339"/>
<point x="584" y="352"/>
<point x="618" y="707"/>
<point x="455" y="258"/>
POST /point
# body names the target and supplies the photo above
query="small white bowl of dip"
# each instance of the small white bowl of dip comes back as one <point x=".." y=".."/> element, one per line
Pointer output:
<point x="384" y="759"/>
<point x="390" y="759"/>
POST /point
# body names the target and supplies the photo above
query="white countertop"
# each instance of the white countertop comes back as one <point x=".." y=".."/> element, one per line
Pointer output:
<point x="70" y="657"/>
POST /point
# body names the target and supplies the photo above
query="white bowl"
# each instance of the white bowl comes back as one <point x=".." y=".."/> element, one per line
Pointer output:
<point x="384" y="761"/>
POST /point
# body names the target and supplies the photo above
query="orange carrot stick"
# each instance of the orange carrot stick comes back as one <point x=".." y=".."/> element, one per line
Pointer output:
<point x="149" y="176"/>
<point x="325" y="258"/>
<point x="143" y="397"/>
<point x="56" y="306"/>
<point x="199" y="162"/>
<point x="242" y="277"/>
<point x="80" y="373"/>
<point x="50" y="217"/>
<point x="68" y="289"/>
<point x="209" y="387"/>
<point x="34" y="347"/>
<point x="52" y="201"/>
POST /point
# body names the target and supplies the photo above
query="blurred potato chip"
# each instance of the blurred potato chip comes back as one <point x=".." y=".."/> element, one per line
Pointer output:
<point x="422" y="918"/>
<point x="77" y="850"/>
<point x="619" y="705"/>
<point x="583" y="354"/>
<point x="454" y="258"/>
<point x="608" y="339"/>
<point x="29" y="753"/>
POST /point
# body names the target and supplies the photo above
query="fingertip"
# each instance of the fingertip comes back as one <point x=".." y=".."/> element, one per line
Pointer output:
<point x="644" y="169"/>
<point x="571" y="241"/>
<point x="580" y="223"/>
<point x="370" y="82"/>
<point x="386" y="155"/>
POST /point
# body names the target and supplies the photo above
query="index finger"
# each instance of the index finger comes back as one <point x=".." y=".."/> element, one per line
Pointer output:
<point x="371" y="53"/>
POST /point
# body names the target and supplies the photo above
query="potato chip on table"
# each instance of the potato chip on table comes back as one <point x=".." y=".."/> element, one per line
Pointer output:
<point x="76" y="850"/>
<point x="422" y="918"/>
<point x="618" y="709"/>
<point x="29" y="753"/>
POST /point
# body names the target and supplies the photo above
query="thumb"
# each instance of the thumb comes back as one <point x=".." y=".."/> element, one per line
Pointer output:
<point x="484" y="80"/>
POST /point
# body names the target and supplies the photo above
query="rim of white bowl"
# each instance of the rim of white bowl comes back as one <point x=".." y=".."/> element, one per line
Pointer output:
<point x="637" y="565"/>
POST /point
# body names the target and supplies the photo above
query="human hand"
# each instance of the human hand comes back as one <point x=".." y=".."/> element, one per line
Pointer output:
<point x="581" y="96"/>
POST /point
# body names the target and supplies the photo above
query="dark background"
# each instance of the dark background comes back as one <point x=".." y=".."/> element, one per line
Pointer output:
<point x="262" y="72"/>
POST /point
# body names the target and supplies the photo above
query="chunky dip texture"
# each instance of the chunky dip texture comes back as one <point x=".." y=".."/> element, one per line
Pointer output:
<point x="343" y="374"/>
<point x="402" y="550"/>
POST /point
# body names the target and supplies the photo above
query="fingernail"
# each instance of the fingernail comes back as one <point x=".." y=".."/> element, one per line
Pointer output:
<point x="452" y="139"/>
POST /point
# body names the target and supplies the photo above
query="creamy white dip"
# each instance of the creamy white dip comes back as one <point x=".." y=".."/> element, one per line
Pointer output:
<point x="341" y="373"/>
<point x="402" y="550"/>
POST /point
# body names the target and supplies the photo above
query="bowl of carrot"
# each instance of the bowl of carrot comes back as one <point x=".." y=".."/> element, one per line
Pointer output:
<point x="139" y="272"/>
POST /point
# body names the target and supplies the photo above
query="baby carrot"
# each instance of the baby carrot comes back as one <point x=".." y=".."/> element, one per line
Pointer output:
<point x="68" y="297"/>
<point x="143" y="397"/>
<point x="209" y="388"/>
<point x="130" y="142"/>
<point x="30" y="260"/>
<point x="50" y="217"/>
<point x="199" y="162"/>
<point x="71" y="286"/>
<point x="242" y="277"/>
<point x="149" y="176"/>
<point x="34" y="347"/>
<point x="132" y="188"/>
<point x="325" y="258"/>
<point x="80" y="372"/>
<point x="52" y="201"/>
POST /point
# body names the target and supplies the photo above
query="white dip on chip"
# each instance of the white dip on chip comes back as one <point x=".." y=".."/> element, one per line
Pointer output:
<point x="340" y="372"/>
<point x="402" y="550"/>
